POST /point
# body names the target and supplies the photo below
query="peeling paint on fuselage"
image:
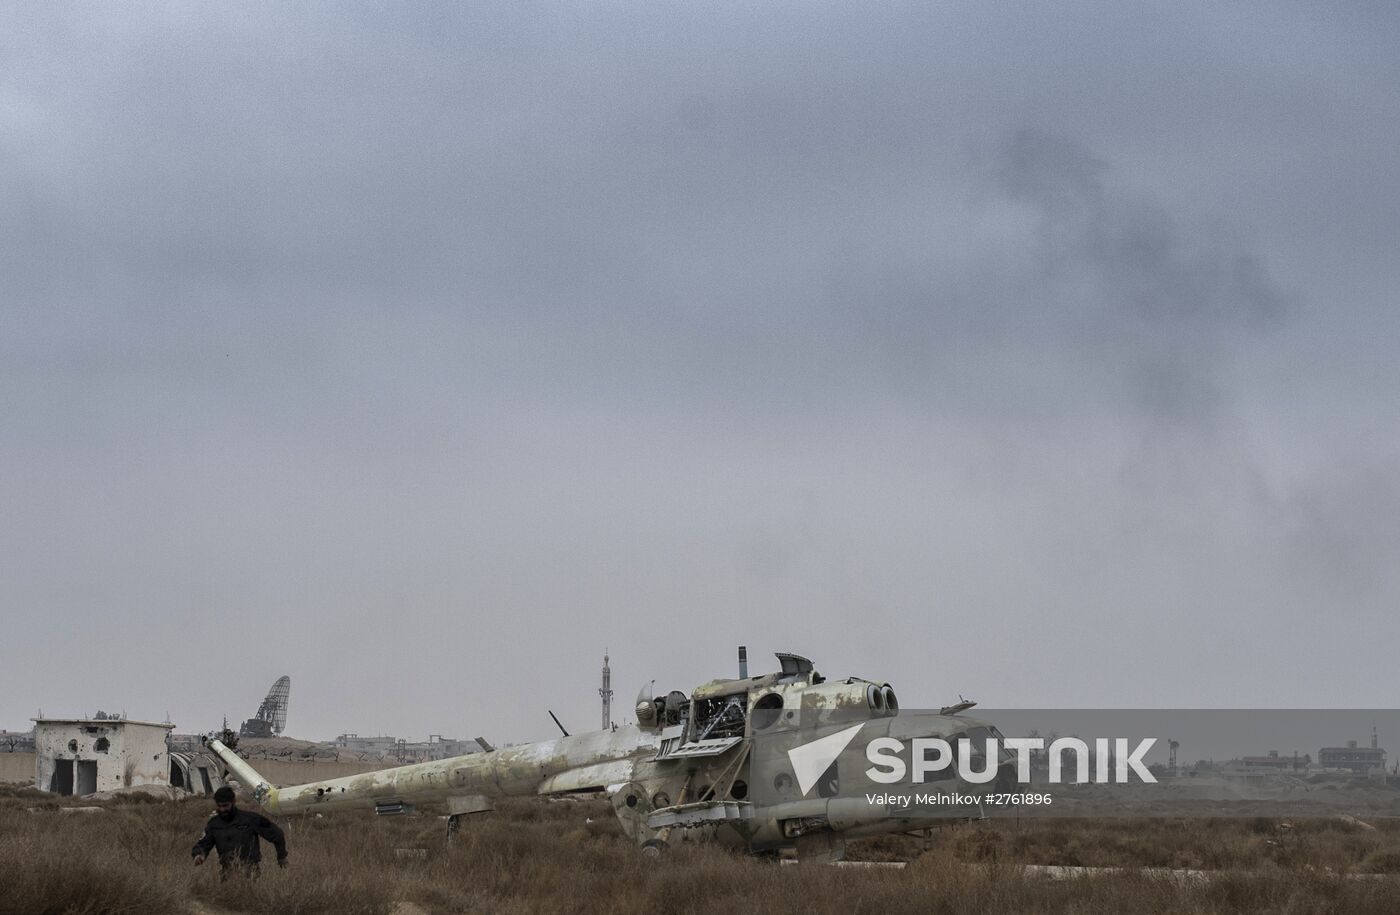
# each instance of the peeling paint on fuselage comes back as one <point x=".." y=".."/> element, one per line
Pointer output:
<point x="507" y="772"/>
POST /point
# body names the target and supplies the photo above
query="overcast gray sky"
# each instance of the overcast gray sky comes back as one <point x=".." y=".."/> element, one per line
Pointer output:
<point x="1039" y="353"/>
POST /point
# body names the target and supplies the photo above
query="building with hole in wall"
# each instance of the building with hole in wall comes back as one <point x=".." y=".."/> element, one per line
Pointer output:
<point x="81" y="756"/>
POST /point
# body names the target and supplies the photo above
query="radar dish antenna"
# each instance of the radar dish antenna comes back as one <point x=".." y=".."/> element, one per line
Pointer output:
<point x="271" y="718"/>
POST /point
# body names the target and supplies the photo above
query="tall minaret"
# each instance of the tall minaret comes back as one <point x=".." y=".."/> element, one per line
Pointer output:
<point x="606" y="692"/>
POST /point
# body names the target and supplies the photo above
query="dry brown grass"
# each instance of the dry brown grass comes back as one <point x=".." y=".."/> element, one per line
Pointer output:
<point x="1198" y="844"/>
<point x="537" y="856"/>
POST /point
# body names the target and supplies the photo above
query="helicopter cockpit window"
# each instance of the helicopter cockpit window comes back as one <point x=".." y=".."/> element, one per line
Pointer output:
<point x="766" y="711"/>
<point x="674" y="708"/>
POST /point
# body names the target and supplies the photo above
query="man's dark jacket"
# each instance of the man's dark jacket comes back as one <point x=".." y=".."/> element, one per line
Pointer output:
<point x="237" y="838"/>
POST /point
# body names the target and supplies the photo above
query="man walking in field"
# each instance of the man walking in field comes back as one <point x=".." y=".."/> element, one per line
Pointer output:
<point x="235" y="834"/>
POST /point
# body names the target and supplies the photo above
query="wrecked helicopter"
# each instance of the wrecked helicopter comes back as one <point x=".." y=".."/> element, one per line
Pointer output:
<point x="725" y="763"/>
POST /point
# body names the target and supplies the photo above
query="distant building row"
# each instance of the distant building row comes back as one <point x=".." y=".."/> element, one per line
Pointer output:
<point x="435" y="747"/>
<point x="1356" y="759"/>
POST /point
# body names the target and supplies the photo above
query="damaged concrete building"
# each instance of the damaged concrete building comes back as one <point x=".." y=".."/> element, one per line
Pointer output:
<point x="197" y="773"/>
<point x="80" y="756"/>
